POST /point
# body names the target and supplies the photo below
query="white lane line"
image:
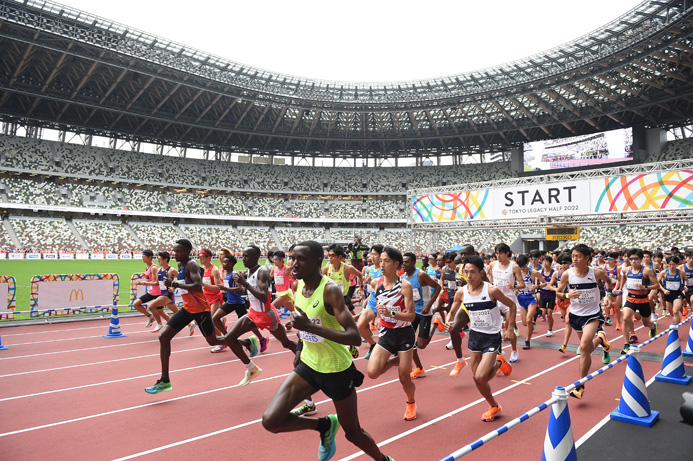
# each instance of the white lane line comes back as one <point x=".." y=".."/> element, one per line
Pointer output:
<point x="100" y="327"/>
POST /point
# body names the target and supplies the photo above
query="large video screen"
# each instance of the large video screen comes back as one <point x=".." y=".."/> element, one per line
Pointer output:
<point x="580" y="151"/>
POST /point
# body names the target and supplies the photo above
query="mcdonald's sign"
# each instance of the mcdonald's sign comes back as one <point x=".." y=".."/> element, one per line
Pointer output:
<point x="78" y="294"/>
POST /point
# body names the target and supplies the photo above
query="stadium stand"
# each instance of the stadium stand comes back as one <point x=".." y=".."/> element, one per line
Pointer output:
<point x="44" y="234"/>
<point x="156" y="236"/>
<point x="448" y="239"/>
<point x="651" y="237"/>
<point x="259" y="236"/>
<point x="105" y="236"/>
<point x="592" y="236"/>
<point x="674" y="150"/>
<point x="289" y="236"/>
<point x="212" y="237"/>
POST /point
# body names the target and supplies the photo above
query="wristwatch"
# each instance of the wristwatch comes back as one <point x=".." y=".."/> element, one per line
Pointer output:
<point x="392" y="314"/>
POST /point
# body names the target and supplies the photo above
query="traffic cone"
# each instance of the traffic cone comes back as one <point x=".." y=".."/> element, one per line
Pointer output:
<point x="673" y="370"/>
<point x="559" y="443"/>
<point x="2" y="348"/>
<point x="688" y="352"/>
<point x="114" y="326"/>
<point x="634" y="407"/>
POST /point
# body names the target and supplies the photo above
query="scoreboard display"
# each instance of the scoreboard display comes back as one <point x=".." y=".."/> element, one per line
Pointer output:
<point x="562" y="233"/>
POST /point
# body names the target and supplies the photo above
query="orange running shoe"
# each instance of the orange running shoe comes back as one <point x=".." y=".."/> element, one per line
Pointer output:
<point x="504" y="367"/>
<point x="439" y="324"/>
<point x="458" y="367"/>
<point x="613" y="311"/>
<point x="410" y="413"/>
<point x="618" y="326"/>
<point x="685" y="311"/>
<point x="492" y="412"/>
<point x="418" y="373"/>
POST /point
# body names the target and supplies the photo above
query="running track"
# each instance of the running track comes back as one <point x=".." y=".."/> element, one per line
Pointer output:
<point x="66" y="393"/>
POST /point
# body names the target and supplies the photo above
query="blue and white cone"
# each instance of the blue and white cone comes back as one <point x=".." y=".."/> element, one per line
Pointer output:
<point x="634" y="407"/>
<point x="688" y="352"/>
<point x="2" y="348"/>
<point x="559" y="444"/>
<point x="114" y="326"/>
<point x="673" y="370"/>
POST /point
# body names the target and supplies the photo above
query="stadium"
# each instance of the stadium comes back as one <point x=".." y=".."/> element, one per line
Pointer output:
<point x="114" y="140"/>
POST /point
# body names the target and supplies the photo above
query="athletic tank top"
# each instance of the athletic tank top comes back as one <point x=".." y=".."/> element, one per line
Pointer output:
<point x="161" y="275"/>
<point x="232" y="297"/>
<point x="193" y="301"/>
<point x="588" y="302"/>
<point x="634" y="282"/>
<point x="450" y="283"/>
<point x="432" y="273"/>
<point x="526" y="291"/>
<point x="320" y="354"/>
<point x="504" y="279"/>
<point x="417" y="291"/>
<point x="393" y="300"/>
<point x="281" y="282"/>
<point x="689" y="274"/>
<point x="207" y="278"/>
<point x="484" y="314"/>
<point x="338" y="277"/>
<point x="613" y="275"/>
<point x="152" y="290"/>
<point x="544" y="293"/>
<point x="672" y="282"/>
<point x="256" y="304"/>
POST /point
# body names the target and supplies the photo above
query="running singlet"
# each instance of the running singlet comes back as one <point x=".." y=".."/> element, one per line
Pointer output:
<point x="232" y="297"/>
<point x="636" y="285"/>
<point x="211" y="295"/>
<point x="281" y="282"/>
<point x="152" y="290"/>
<point x="544" y="293"/>
<point x="588" y="302"/>
<point x="672" y="282"/>
<point x="256" y="304"/>
<point x="393" y="300"/>
<point x="484" y="314"/>
<point x="432" y="273"/>
<point x="338" y="277"/>
<point x="417" y="291"/>
<point x="193" y="301"/>
<point x="689" y="274"/>
<point x="450" y="281"/>
<point x="320" y="354"/>
<point x="161" y="275"/>
<point x="504" y="279"/>
<point x="613" y="275"/>
<point x="526" y="291"/>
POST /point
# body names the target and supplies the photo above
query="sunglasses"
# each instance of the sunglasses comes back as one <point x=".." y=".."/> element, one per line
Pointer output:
<point x="634" y="259"/>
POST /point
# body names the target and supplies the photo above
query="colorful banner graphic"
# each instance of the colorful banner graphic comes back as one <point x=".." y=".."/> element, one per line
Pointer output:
<point x="670" y="190"/>
<point x="74" y="293"/>
<point x="8" y="291"/>
<point x="458" y="206"/>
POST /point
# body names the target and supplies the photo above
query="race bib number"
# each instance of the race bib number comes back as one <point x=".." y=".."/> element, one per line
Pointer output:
<point x="207" y="280"/>
<point x="586" y="297"/>
<point x="481" y="318"/>
<point x="162" y="286"/>
<point x="226" y="283"/>
<point x="673" y="286"/>
<point x="279" y="280"/>
<point x="452" y="284"/>
<point x="390" y="319"/>
<point x="634" y="284"/>
<point x="310" y="337"/>
<point x="341" y="286"/>
<point x="181" y="291"/>
<point x="501" y="282"/>
<point x="417" y="294"/>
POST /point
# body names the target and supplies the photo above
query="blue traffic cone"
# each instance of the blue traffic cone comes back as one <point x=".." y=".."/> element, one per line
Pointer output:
<point x="559" y="444"/>
<point x="114" y="326"/>
<point x="688" y="352"/>
<point x="634" y="407"/>
<point x="673" y="370"/>
<point x="2" y="348"/>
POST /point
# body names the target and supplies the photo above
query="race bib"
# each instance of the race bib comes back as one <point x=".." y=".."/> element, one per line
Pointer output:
<point x="481" y="318"/>
<point x="586" y="297"/>
<point x="673" y="286"/>
<point x="452" y="284"/>
<point x="207" y="280"/>
<point x="390" y="319"/>
<point x="279" y="280"/>
<point x="181" y="291"/>
<point x="634" y="284"/>
<point x="417" y="294"/>
<point x="226" y="283"/>
<point x="341" y="286"/>
<point x="310" y="337"/>
<point x="162" y="286"/>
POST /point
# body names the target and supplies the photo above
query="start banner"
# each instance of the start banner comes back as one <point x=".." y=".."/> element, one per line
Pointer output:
<point x="59" y="294"/>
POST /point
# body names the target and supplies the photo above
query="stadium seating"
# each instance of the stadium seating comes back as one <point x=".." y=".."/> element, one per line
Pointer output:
<point x="448" y="239"/>
<point x="212" y="237"/>
<point x="651" y="237"/>
<point x="156" y="237"/>
<point x="44" y="234"/>
<point x="259" y="236"/>
<point x="674" y="150"/>
<point x="106" y="236"/>
<point x="290" y="236"/>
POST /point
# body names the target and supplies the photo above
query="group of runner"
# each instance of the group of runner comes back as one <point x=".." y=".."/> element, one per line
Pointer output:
<point x="463" y="294"/>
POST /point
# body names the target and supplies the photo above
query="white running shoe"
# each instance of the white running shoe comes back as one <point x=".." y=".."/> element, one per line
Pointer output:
<point x="549" y="333"/>
<point x="150" y="321"/>
<point x="448" y="346"/>
<point x="249" y="375"/>
<point x="157" y="328"/>
<point x="514" y="357"/>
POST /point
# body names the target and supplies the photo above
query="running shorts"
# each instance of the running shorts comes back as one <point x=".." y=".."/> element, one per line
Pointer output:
<point x="288" y="293"/>
<point x="484" y="343"/>
<point x="268" y="320"/>
<point x="180" y="319"/>
<point x="239" y="308"/>
<point x="526" y="300"/>
<point x="397" y="339"/>
<point x="147" y="298"/>
<point x="578" y="322"/>
<point x="547" y="303"/>
<point x="673" y="295"/>
<point x="337" y="386"/>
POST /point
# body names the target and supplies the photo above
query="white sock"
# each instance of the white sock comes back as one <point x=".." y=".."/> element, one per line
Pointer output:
<point x="250" y="366"/>
<point x="460" y="359"/>
<point x="309" y="402"/>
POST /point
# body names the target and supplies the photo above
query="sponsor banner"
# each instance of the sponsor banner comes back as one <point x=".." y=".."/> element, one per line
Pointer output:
<point x="50" y="256"/>
<point x="457" y="206"/>
<point x="16" y="255"/>
<point x="111" y="256"/>
<point x="33" y="256"/>
<point x="8" y="293"/>
<point x="82" y="256"/>
<point x="138" y="256"/>
<point x="125" y="256"/>
<point x="541" y="199"/>
<point x="67" y="256"/>
<point x="3" y="255"/>
<point x="669" y="190"/>
<point x="4" y="294"/>
<point x="57" y="294"/>
<point x="97" y="256"/>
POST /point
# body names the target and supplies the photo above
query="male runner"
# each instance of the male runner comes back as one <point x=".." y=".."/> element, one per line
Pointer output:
<point x="282" y="280"/>
<point x="195" y="307"/>
<point x="151" y="284"/>
<point x="166" y="298"/>
<point x="339" y="271"/>
<point x="368" y="312"/>
<point x="527" y="296"/>
<point x="547" y="297"/>
<point x="688" y="269"/>
<point x="505" y="274"/>
<point x="211" y="279"/>
<point x="674" y="282"/>
<point x="322" y="362"/>
<point x="476" y="304"/>
<point x="639" y="281"/>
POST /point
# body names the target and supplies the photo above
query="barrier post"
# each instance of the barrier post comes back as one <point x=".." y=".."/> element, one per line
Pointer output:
<point x="673" y="370"/>
<point x="688" y="352"/>
<point x="559" y="444"/>
<point x="634" y="406"/>
<point x="2" y="348"/>
<point x="114" y="326"/>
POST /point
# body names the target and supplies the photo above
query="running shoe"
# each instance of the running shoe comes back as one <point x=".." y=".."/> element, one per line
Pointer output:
<point x="577" y="350"/>
<point x="543" y="318"/>
<point x="150" y="321"/>
<point x="159" y="386"/>
<point x="157" y="328"/>
<point x="218" y="348"/>
<point x="458" y="367"/>
<point x="305" y="410"/>
<point x="618" y="326"/>
<point x="370" y="350"/>
<point x="263" y="343"/>
<point x="607" y="321"/>
<point x="448" y="346"/>
<point x="463" y="334"/>
<point x="491" y="414"/>
<point x="625" y="349"/>
<point x="191" y="326"/>
<point x="562" y="348"/>
<point x="327" y="446"/>
<point x="418" y="373"/>
<point x="253" y="350"/>
<point x="633" y="338"/>
<point x="653" y="331"/>
<point x="606" y="346"/>
<point x="250" y="375"/>
<point x="514" y="357"/>
<point x="517" y="332"/>
<point x="439" y="324"/>
<point x="578" y="392"/>
<point x="526" y="346"/>
<point x="504" y="367"/>
<point x="410" y="413"/>
<point x="354" y="351"/>
<point x="549" y="333"/>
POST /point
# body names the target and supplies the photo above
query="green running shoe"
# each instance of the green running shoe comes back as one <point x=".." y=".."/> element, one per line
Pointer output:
<point x="253" y="348"/>
<point x="160" y="386"/>
<point x="328" y="447"/>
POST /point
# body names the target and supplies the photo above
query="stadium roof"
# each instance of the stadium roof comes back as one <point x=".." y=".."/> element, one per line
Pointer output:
<point x="66" y="69"/>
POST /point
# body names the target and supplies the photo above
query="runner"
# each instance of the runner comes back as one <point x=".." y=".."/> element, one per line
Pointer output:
<point x="564" y="261"/>
<point x="166" y="298"/>
<point x="261" y="314"/>
<point x="423" y="302"/>
<point x="211" y="279"/>
<point x="322" y="362"/>
<point x="579" y="284"/>
<point x="369" y="313"/>
<point x="506" y="275"/>
<point x="527" y="297"/>
<point x="688" y="269"/>
<point x="151" y="284"/>
<point x="639" y="281"/>
<point x="195" y="307"/>
<point x="282" y="280"/>
<point x="339" y="271"/>
<point x="612" y="270"/>
<point x="547" y="297"/>
<point x="396" y="309"/>
<point x="476" y="304"/>
<point x="674" y="283"/>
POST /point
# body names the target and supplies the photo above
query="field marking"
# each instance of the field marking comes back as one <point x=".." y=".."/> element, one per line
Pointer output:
<point x="69" y="329"/>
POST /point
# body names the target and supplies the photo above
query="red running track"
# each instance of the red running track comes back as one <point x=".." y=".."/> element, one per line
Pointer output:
<point x="66" y="393"/>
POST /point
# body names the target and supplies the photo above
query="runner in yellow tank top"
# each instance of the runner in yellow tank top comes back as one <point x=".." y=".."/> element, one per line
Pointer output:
<point x="340" y="272"/>
<point x="325" y="364"/>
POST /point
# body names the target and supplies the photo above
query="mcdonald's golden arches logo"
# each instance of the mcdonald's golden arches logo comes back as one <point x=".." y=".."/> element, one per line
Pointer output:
<point x="78" y="294"/>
